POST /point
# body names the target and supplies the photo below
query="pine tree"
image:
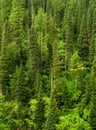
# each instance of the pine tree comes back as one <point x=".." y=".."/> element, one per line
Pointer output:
<point x="49" y="8"/>
<point x="40" y="23"/>
<point x="53" y="114"/>
<point x="4" y="73"/>
<point x="90" y="36"/>
<point x="21" y="90"/>
<point x="40" y="111"/>
<point x="52" y="118"/>
<point x="16" y="22"/>
<point x="34" y="62"/>
<point x="93" y="98"/>
<point x="83" y="41"/>
<point x="22" y="96"/>
<point x="56" y="73"/>
<point x="68" y="26"/>
<point x="5" y="10"/>
<point x="68" y="47"/>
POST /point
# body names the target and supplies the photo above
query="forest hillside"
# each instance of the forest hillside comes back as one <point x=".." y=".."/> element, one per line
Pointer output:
<point x="47" y="64"/>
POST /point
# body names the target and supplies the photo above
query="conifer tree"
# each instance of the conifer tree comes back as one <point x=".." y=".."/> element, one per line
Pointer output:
<point x="40" y="114"/>
<point x="89" y="33"/>
<point x="83" y="41"/>
<point x="21" y="87"/>
<point x="16" y="22"/>
<point x="40" y="26"/>
<point x="93" y="38"/>
<point x="52" y="118"/>
<point x="5" y="10"/>
<point x="56" y="73"/>
<point x="49" y="7"/>
<point x="4" y="74"/>
<point x="34" y="62"/>
<point x="40" y="110"/>
<point x="93" y="98"/>
<point x="68" y="26"/>
<point x="53" y="114"/>
<point x="68" y="47"/>
<point x="40" y="23"/>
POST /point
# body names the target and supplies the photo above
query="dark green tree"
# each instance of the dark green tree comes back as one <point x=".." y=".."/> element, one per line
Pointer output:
<point x="83" y="41"/>
<point x="53" y="114"/>
<point x="16" y="22"/>
<point x="21" y="87"/>
<point x="93" y="97"/>
<point x="40" y="111"/>
<point x="34" y="62"/>
<point x="4" y="62"/>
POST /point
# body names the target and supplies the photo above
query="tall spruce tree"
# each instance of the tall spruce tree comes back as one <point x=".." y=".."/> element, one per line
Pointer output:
<point x="83" y="40"/>
<point x="34" y="62"/>
<point x="93" y="98"/>
<point x="4" y="73"/>
<point x="56" y="73"/>
<point x="40" y="110"/>
<point x="16" y="22"/>
<point x="52" y="118"/>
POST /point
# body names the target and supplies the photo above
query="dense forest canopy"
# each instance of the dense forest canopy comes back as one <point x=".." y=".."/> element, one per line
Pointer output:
<point x="47" y="64"/>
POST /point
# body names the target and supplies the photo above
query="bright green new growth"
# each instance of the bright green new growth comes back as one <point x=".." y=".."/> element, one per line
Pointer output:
<point x="47" y="64"/>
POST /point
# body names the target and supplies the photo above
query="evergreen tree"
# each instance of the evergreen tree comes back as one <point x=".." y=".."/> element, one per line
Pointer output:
<point x="68" y="38"/>
<point x="56" y="73"/>
<point x="52" y="118"/>
<point x="34" y="62"/>
<point x="4" y="74"/>
<point x="53" y="114"/>
<point x="83" y="40"/>
<point x="16" y="22"/>
<point x="21" y="88"/>
<point x="40" y="111"/>
<point x="93" y="98"/>
<point x="5" y="10"/>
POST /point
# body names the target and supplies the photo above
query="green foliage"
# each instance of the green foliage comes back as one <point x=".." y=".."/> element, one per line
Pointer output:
<point x="47" y="64"/>
<point x="4" y="113"/>
<point x="40" y="20"/>
<point x="93" y="97"/>
<point x="5" y="10"/>
<point x="40" y="114"/>
<point x="53" y="114"/>
<point x="32" y="113"/>
<point x="72" y="121"/>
